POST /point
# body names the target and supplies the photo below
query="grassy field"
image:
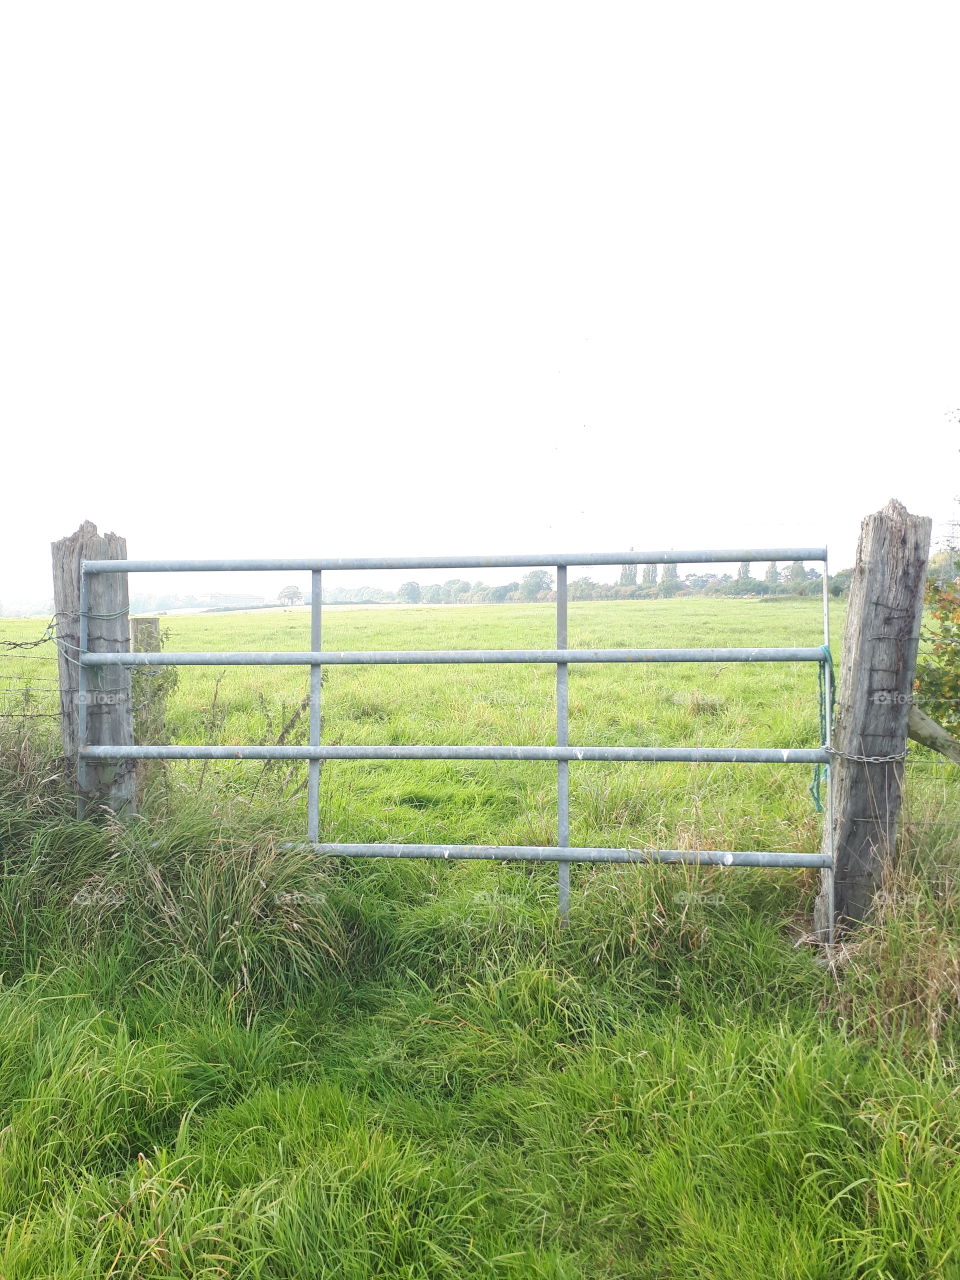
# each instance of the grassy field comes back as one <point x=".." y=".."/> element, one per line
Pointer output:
<point x="220" y="1059"/>
<point x="516" y="803"/>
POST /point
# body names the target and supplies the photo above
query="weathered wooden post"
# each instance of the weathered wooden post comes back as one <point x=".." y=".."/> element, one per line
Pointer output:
<point x="145" y="634"/>
<point x="106" y="696"/>
<point x="873" y="704"/>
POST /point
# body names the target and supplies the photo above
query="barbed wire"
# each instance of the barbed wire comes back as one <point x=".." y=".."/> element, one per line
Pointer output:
<point x="46" y="638"/>
<point x="29" y="715"/>
<point x="49" y="632"/>
<point x="28" y="687"/>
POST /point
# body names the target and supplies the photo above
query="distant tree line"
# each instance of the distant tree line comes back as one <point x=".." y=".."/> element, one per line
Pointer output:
<point x="657" y="583"/>
<point x="652" y="582"/>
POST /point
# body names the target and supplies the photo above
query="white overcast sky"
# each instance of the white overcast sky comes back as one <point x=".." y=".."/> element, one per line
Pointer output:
<point x="360" y="279"/>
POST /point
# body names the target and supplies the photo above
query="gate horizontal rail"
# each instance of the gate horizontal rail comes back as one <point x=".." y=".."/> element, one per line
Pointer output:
<point x="562" y="853"/>
<point x="690" y="755"/>
<point x="92" y="664"/>
<point x="734" y="555"/>
<point x="430" y="657"/>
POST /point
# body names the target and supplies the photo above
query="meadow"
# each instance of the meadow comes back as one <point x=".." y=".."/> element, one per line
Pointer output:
<point x="220" y="1058"/>
<point x="515" y="803"/>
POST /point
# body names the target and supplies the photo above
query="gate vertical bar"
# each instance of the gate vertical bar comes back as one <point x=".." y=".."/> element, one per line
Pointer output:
<point x="313" y="781"/>
<point x="84" y="640"/>
<point x="563" y="740"/>
<point x="828" y="742"/>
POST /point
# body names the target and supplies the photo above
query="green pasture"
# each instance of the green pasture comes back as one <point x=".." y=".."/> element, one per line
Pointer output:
<point x="222" y="1060"/>
<point x="685" y="806"/>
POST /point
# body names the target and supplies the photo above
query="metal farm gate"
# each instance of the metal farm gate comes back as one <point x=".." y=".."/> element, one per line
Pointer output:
<point x="563" y="753"/>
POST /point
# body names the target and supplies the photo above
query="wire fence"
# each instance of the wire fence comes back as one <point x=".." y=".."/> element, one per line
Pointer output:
<point x="29" y="676"/>
<point x="29" y="672"/>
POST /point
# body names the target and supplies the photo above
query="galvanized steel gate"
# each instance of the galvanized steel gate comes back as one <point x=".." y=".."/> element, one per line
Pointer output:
<point x="563" y="753"/>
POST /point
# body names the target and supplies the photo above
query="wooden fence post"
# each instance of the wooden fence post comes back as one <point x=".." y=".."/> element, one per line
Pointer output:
<point x="108" y="704"/>
<point x="145" y="634"/>
<point x="873" y="703"/>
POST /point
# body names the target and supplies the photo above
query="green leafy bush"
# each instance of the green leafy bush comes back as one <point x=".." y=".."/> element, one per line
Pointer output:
<point x="938" y="668"/>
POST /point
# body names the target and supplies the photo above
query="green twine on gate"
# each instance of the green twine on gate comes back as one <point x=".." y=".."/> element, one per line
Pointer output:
<point x="819" y="769"/>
